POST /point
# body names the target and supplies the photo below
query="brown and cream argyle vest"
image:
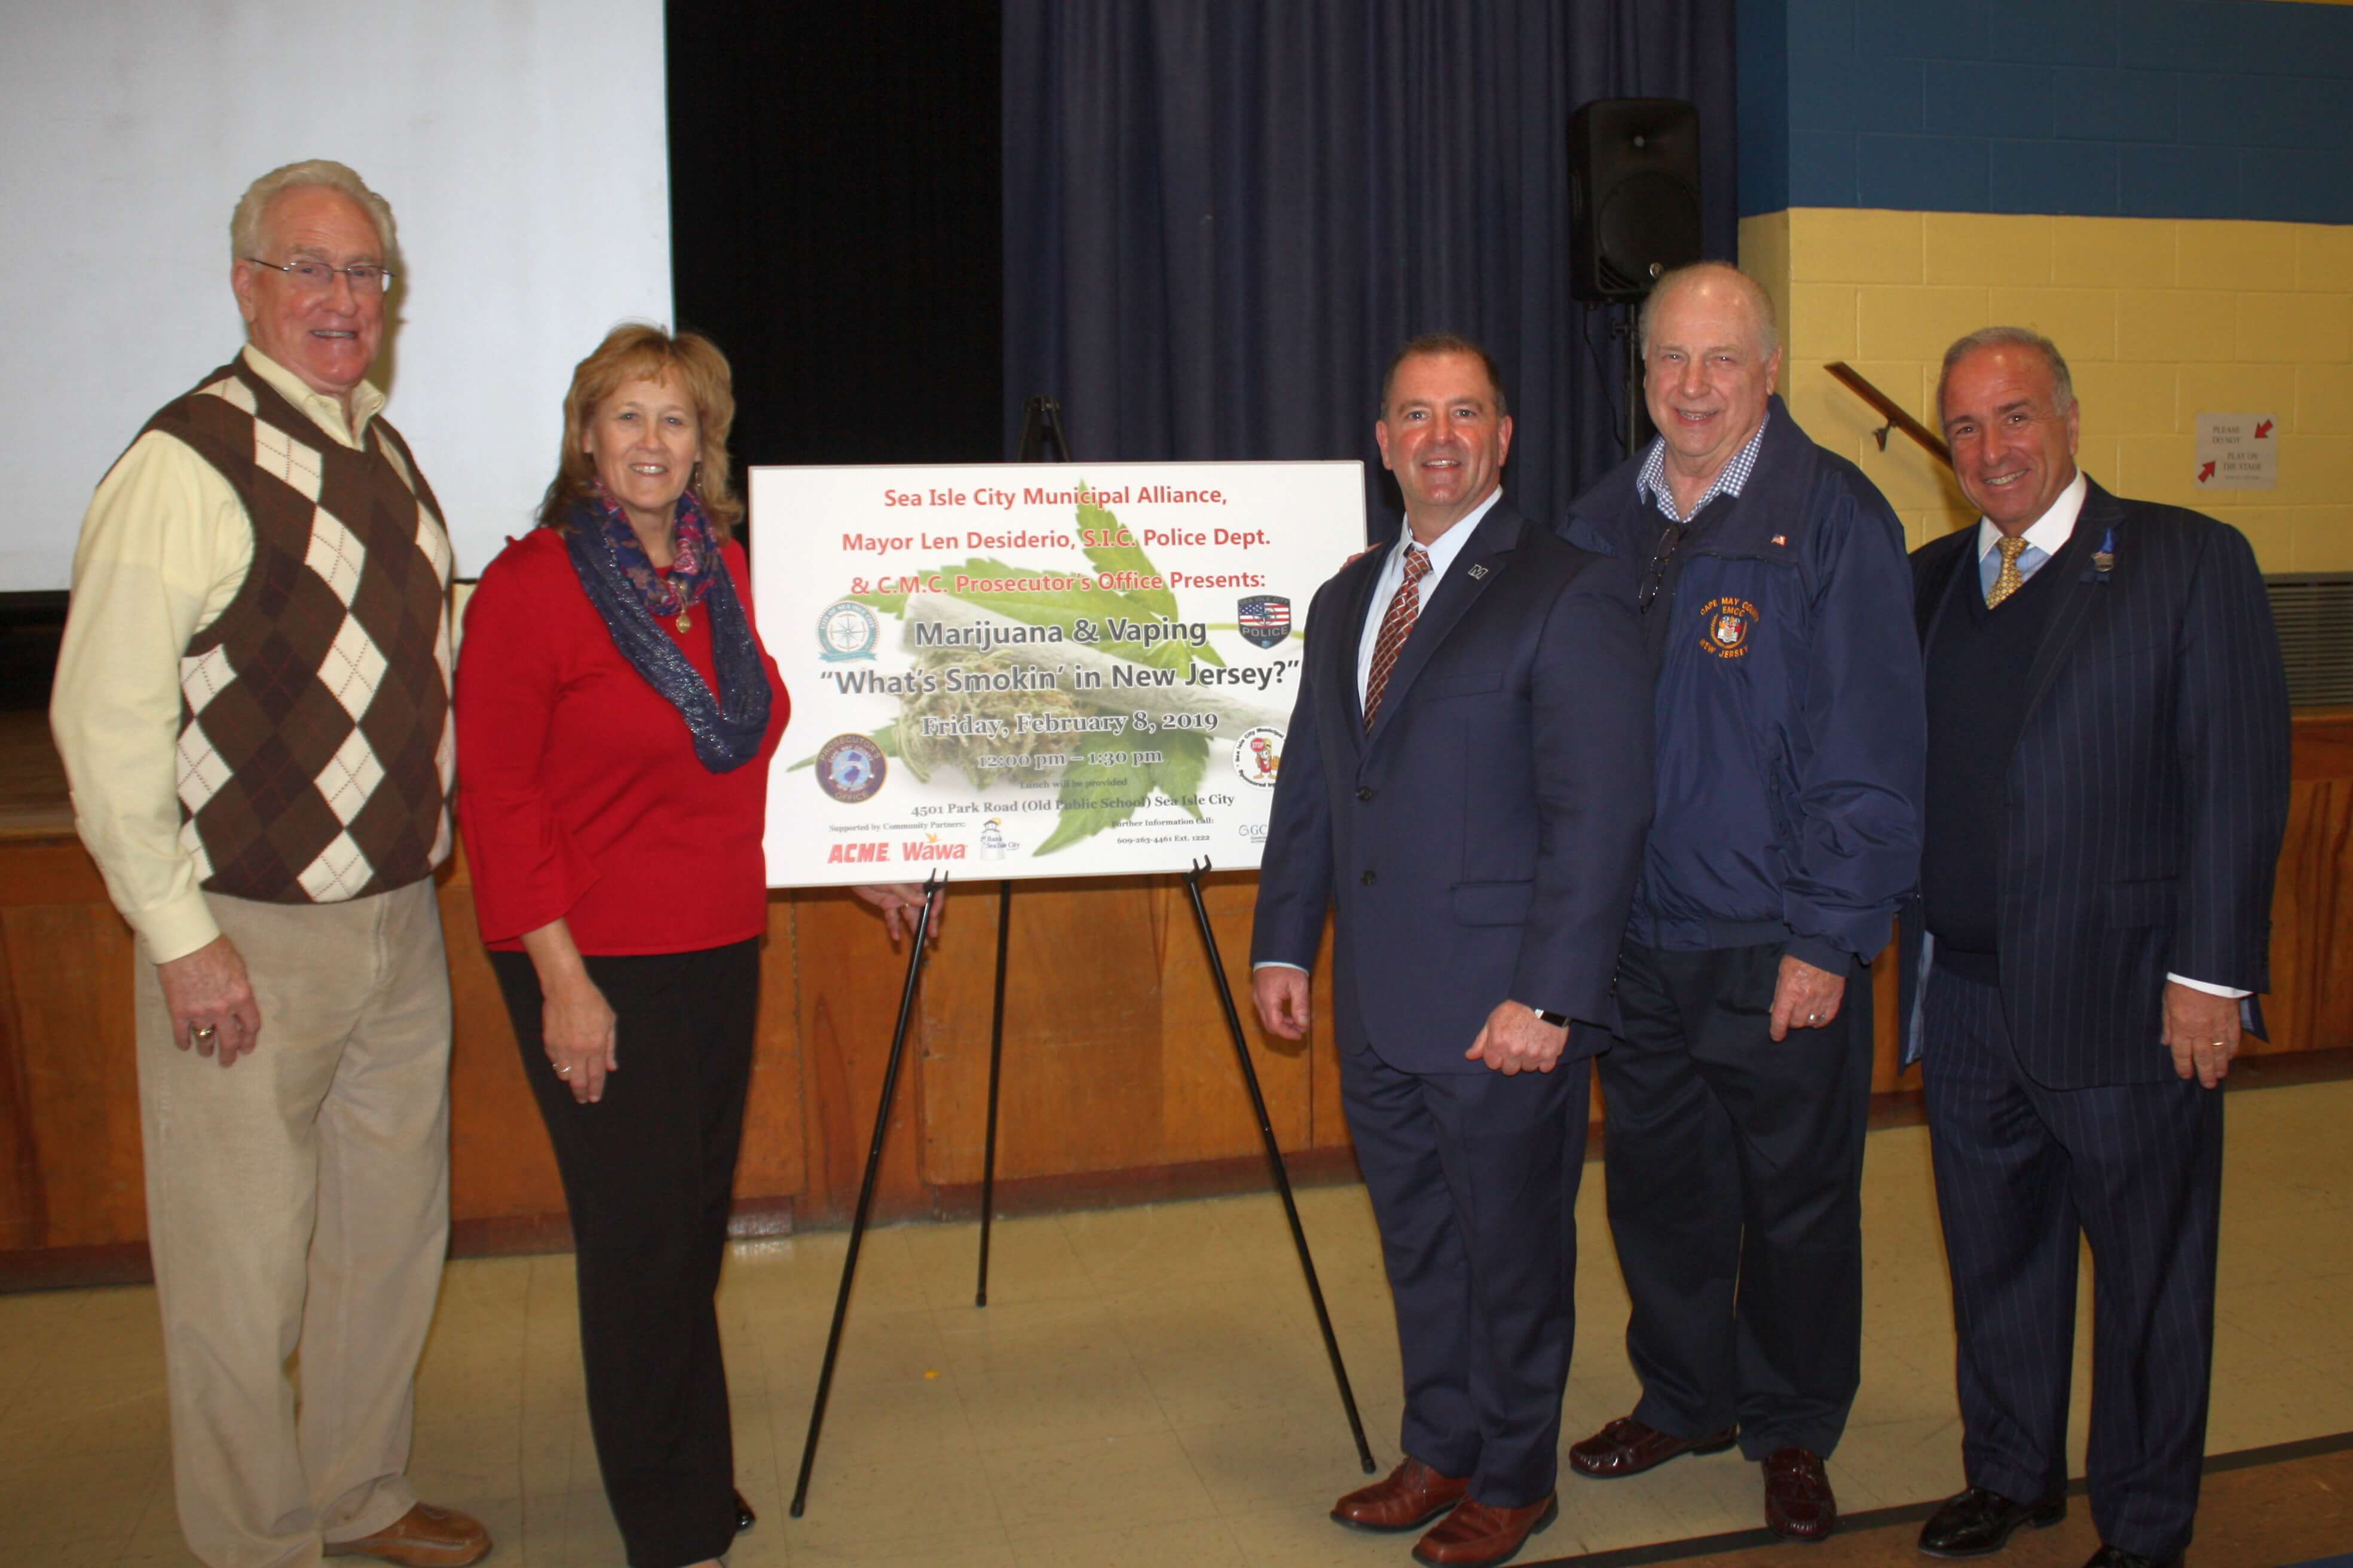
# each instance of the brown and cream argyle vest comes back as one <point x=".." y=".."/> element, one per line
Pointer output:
<point x="316" y="751"/>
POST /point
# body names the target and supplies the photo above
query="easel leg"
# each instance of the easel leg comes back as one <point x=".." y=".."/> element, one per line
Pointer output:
<point x="932" y="889"/>
<point x="1274" y="1162"/>
<point x="996" y="1062"/>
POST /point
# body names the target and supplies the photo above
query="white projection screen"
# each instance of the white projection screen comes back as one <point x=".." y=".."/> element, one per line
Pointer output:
<point x="523" y="149"/>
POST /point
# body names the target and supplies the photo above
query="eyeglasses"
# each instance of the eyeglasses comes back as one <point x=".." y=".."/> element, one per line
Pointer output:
<point x="317" y="277"/>
<point x="1661" y="559"/>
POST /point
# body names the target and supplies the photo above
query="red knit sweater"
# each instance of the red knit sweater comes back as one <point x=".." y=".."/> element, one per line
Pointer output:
<point x="578" y="789"/>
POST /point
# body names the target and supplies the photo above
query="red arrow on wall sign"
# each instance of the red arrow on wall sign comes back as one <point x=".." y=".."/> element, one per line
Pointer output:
<point x="2262" y="429"/>
<point x="2205" y="472"/>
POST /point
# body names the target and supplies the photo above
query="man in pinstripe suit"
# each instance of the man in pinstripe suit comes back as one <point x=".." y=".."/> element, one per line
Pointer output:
<point x="2108" y="788"/>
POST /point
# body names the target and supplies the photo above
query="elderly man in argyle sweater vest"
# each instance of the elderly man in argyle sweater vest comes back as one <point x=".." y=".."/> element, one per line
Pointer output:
<point x="253" y="707"/>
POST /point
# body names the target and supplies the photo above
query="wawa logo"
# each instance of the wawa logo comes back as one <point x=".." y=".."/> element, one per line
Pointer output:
<point x="927" y="847"/>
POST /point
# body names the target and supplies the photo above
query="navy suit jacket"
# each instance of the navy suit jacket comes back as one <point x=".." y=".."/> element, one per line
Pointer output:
<point x="2145" y="800"/>
<point x="1481" y="843"/>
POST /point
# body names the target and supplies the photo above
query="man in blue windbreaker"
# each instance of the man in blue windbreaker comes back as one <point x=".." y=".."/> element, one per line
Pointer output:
<point x="1786" y="827"/>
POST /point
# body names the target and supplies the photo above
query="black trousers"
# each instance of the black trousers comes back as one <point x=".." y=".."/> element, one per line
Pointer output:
<point x="1473" y="1182"/>
<point x="2022" y="1170"/>
<point x="648" y="1173"/>
<point x="1735" y="1166"/>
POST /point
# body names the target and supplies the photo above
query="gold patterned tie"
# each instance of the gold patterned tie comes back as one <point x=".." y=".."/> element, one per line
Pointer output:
<point x="2008" y="579"/>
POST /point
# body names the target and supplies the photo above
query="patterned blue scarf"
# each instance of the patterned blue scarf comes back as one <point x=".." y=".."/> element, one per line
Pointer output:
<point x="627" y="590"/>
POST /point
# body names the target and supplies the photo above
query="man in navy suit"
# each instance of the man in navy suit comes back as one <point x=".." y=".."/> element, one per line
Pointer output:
<point x="1466" y="779"/>
<point x="2108" y="784"/>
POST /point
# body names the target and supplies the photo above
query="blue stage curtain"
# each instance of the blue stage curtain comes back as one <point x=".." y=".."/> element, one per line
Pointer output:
<point x="1222" y="216"/>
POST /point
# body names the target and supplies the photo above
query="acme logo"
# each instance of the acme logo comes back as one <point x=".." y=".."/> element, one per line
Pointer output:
<point x="857" y="854"/>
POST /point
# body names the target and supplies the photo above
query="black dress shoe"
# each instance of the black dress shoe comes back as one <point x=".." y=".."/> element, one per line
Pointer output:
<point x="2118" y="1557"/>
<point x="744" y="1518"/>
<point x="1980" y="1521"/>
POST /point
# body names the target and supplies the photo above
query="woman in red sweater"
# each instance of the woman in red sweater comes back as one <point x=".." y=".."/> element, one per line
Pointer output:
<point x="615" y="715"/>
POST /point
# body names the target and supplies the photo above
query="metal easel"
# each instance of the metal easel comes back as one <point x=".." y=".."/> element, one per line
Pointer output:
<point x="1041" y="422"/>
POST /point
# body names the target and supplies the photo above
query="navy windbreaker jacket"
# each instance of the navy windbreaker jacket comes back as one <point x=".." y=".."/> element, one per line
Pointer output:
<point x="1792" y="732"/>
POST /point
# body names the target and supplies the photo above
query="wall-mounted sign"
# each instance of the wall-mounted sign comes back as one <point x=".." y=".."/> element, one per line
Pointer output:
<point x="2238" y="452"/>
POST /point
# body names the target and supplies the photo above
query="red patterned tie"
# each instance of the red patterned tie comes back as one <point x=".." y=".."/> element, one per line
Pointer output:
<point x="1396" y="626"/>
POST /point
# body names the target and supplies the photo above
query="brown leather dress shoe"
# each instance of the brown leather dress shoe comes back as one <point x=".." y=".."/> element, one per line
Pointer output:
<point x="1477" y="1536"/>
<point x="1798" y="1500"/>
<point x="424" y="1537"/>
<point x="1628" y="1447"/>
<point x="1413" y="1495"/>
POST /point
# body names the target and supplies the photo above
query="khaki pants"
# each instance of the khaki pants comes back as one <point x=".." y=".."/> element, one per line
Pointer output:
<point x="298" y="1205"/>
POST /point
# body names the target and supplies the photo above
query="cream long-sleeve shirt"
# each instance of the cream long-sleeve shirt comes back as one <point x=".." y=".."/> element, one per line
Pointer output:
<point x="164" y="547"/>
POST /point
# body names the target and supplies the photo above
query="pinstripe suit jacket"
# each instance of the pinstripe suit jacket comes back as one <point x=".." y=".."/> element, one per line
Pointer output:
<point x="2146" y="797"/>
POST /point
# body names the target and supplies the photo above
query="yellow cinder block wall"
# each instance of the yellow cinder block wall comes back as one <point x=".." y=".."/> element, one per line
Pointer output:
<point x="2160" y="319"/>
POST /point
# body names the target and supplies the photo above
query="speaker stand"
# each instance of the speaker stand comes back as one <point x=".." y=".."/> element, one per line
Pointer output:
<point x="1635" y="429"/>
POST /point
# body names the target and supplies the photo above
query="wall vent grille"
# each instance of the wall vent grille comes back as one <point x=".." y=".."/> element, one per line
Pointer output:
<point x="2314" y="611"/>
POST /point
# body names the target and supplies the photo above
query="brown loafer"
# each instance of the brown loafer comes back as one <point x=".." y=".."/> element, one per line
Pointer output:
<point x="1798" y="1502"/>
<point x="424" y="1537"/>
<point x="1413" y="1495"/>
<point x="1628" y="1447"/>
<point x="1477" y="1536"/>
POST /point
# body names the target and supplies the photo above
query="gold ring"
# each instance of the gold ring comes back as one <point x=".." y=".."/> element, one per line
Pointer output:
<point x="563" y="1069"/>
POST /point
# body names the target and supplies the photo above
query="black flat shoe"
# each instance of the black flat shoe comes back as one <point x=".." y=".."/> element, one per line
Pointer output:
<point x="744" y="1518"/>
<point x="1980" y="1521"/>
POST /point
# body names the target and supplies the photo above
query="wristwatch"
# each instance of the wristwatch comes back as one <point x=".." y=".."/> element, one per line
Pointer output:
<point x="1557" y="1020"/>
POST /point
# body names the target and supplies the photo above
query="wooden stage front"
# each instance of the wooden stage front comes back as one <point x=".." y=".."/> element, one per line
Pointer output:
<point x="1119" y="1078"/>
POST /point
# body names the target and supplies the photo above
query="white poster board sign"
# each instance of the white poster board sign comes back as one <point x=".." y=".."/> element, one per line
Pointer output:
<point x="1036" y="670"/>
<point x="2238" y="452"/>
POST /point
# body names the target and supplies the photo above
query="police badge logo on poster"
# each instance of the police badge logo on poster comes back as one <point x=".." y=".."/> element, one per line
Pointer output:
<point x="1264" y="619"/>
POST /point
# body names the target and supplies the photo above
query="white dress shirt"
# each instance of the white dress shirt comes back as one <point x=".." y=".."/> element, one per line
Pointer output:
<point x="2044" y="536"/>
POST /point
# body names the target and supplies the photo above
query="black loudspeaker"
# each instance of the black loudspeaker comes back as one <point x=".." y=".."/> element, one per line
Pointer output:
<point x="1633" y="194"/>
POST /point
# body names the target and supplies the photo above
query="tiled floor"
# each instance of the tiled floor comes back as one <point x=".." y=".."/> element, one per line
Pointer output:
<point x="1146" y="1386"/>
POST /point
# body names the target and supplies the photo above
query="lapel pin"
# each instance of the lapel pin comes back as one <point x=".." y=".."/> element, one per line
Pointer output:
<point x="2104" y="558"/>
<point x="1477" y="572"/>
<point x="1781" y="539"/>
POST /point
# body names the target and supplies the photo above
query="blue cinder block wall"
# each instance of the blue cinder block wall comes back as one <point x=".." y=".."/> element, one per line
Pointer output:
<point x="2231" y="109"/>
